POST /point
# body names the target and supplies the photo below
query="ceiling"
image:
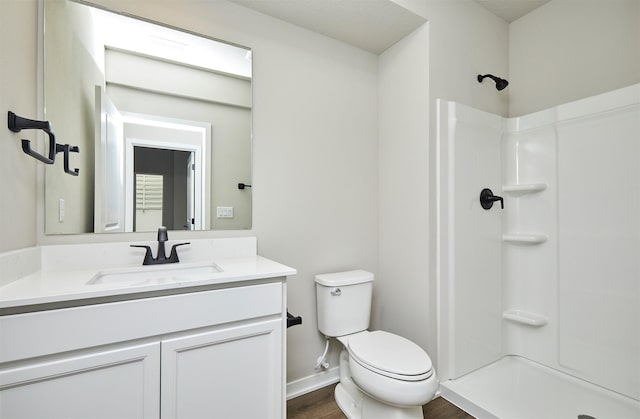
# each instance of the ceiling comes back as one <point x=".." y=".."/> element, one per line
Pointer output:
<point x="372" y="25"/>
<point x="510" y="10"/>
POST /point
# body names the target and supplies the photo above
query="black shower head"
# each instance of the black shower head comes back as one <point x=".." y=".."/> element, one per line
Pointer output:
<point x="500" y="83"/>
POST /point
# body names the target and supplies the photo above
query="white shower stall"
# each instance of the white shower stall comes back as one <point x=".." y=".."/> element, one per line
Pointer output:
<point x="539" y="302"/>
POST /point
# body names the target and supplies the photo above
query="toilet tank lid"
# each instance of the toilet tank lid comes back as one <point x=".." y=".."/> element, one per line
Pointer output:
<point x="340" y="279"/>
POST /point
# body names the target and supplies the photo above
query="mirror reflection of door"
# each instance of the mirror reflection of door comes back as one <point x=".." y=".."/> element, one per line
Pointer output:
<point x="177" y="150"/>
<point x="109" y="160"/>
<point x="134" y="144"/>
<point x="164" y="186"/>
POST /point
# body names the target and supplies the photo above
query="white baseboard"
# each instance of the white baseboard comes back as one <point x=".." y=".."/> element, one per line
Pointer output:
<point x="313" y="382"/>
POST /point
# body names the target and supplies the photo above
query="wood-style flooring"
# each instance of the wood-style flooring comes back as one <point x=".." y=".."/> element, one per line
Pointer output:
<point x="320" y="404"/>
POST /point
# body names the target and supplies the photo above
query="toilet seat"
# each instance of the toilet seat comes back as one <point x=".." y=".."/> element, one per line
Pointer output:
<point x="390" y="355"/>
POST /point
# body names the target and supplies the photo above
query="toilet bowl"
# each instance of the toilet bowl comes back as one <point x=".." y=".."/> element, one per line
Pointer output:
<point x="390" y="368"/>
<point x="382" y="375"/>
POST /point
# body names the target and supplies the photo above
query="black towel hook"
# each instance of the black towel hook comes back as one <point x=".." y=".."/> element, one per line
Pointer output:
<point x="17" y="123"/>
<point x="66" y="149"/>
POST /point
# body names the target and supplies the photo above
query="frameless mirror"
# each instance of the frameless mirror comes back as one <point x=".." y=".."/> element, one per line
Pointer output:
<point x="162" y="119"/>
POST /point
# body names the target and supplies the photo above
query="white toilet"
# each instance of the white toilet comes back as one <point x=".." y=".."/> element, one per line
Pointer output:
<point x="382" y="375"/>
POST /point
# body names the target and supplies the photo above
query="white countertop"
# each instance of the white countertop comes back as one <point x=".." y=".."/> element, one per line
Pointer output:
<point x="52" y="287"/>
<point x="55" y="284"/>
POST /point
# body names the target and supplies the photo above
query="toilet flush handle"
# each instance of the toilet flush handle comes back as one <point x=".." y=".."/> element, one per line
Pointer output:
<point x="336" y="292"/>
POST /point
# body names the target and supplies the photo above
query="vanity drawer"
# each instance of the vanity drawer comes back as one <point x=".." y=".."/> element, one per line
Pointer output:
<point x="48" y="332"/>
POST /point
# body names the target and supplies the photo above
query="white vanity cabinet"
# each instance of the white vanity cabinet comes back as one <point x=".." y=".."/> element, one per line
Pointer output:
<point x="230" y="373"/>
<point x="110" y="383"/>
<point x="215" y="353"/>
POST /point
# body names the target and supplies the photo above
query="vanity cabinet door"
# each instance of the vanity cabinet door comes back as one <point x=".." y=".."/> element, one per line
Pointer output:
<point x="116" y="383"/>
<point x="235" y="372"/>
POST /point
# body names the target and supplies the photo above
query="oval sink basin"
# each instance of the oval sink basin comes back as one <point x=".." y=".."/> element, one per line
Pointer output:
<point x="146" y="275"/>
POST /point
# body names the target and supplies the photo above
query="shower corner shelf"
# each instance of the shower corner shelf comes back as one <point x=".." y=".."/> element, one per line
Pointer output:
<point x="524" y="188"/>
<point x="525" y="317"/>
<point x="524" y="238"/>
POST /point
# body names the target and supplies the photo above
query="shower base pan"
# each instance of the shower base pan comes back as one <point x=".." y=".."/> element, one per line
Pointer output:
<point x="514" y="387"/>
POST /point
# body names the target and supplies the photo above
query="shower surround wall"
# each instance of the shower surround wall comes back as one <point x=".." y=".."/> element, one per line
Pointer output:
<point x="554" y="277"/>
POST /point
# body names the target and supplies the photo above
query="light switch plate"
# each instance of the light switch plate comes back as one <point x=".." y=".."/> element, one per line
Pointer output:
<point x="224" y="212"/>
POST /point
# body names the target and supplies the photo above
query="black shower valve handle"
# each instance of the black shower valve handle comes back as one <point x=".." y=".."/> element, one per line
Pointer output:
<point x="487" y="198"/>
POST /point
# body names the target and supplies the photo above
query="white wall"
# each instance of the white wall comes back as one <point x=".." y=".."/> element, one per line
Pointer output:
<point x="439" y="60"/>
<point x="18" y="52"/>
<point x="572" y="49"/>
<point x="315" y="167"/>
<point x="401" y="289"/>
<point x="466" y="40"/>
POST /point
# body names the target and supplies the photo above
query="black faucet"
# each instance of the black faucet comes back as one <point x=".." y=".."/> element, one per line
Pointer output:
<point x="161" y="256"/>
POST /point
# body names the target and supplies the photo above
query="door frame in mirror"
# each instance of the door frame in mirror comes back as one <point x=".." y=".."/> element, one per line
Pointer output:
<point x="201" y="149"/>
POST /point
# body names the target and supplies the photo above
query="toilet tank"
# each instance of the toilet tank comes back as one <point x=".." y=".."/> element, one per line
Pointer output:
<point x="344" y="302"/>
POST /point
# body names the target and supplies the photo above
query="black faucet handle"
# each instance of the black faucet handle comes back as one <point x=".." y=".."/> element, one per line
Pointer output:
<point x="163" y="236"/>
<point x="173" y="256"/>
<point x="148" y="256"/>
